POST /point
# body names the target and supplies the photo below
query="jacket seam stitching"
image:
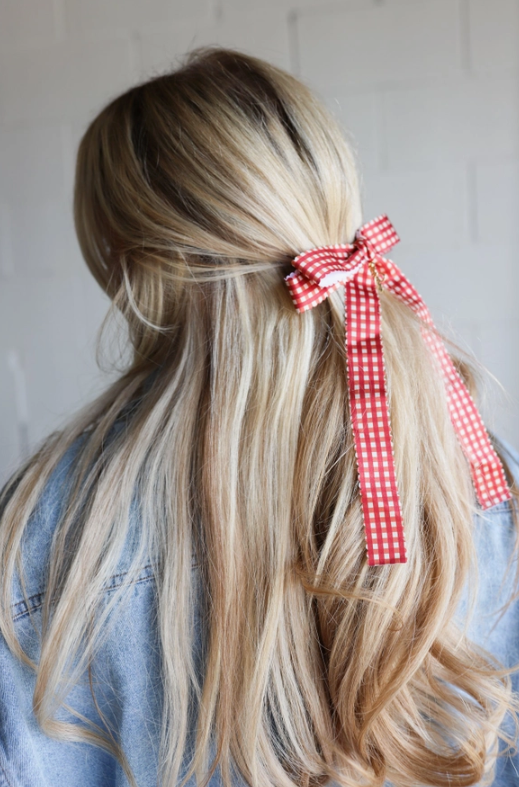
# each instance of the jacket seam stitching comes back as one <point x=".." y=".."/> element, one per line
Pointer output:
<point x="39" y="596"/>
<point x="38" y="605"/>
<point x="123" y="574"/>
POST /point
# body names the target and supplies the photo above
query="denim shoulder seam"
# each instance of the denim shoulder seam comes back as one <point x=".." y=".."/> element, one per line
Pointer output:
<point x="21" y="608"/>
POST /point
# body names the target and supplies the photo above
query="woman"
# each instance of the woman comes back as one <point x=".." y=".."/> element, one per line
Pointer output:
<point x="186" y="594"/>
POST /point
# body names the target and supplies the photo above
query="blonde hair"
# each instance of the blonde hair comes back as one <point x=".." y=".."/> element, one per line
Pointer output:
<point x="193" y="193"/>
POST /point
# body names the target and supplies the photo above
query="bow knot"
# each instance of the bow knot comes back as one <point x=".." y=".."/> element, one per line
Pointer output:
<point x="322" y="269"/>
<point x="370" y="249"/>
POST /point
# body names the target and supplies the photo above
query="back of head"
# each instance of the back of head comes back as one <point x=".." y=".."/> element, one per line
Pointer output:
<point x="224" y="167"/>
<point x="194" y="192"/>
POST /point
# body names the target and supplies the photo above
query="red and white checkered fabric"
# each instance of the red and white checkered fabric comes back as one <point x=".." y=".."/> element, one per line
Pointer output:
<point x="361" y="268"/>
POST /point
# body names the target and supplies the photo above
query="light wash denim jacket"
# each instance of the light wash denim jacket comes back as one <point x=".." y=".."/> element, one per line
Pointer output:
<point x="128" y="667"/>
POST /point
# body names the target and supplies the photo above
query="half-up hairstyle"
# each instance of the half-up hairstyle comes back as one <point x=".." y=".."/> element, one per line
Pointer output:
<point x="194" y="191"/>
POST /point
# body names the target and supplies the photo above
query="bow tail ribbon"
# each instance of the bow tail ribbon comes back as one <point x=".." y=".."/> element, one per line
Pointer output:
<point x="487" y="471"/>
<point x="371" y="425"/>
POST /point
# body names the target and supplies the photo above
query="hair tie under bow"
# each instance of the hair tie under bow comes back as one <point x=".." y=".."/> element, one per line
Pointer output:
<point x="363" y="270"/>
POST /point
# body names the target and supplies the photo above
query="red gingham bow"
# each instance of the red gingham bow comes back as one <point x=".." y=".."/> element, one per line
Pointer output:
<point x="361" y="267"/>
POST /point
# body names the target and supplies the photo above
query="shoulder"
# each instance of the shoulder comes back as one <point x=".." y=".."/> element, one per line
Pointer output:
<point x="126" y="668"/>
<point x="511" y="457"/>
<point x="41" y="529"/>
<point x="39" y="532"/>
<point x="495" y="540"/>
<point x="504" y="510"/>
<point x="495" y="527"/>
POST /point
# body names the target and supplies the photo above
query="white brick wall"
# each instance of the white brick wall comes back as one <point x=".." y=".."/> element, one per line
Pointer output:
<point x="83" y="17"/>
<point x="65" y="80"/>
<point x="264" y="32"/>
<point x="428" y="90"/>
<point x="379" y="43"/>
<point x="451" y="120"/>
<point x="493" y="30"/>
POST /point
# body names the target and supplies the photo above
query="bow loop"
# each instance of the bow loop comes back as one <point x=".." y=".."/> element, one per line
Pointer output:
<point x="327" y="265"/>
<point x="377" y="237"/>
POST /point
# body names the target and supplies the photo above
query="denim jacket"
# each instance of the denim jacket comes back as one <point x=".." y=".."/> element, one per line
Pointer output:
<point x="128" y="683"/>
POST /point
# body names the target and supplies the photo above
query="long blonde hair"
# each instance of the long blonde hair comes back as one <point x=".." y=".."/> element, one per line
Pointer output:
<point x="193" y="193"/>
